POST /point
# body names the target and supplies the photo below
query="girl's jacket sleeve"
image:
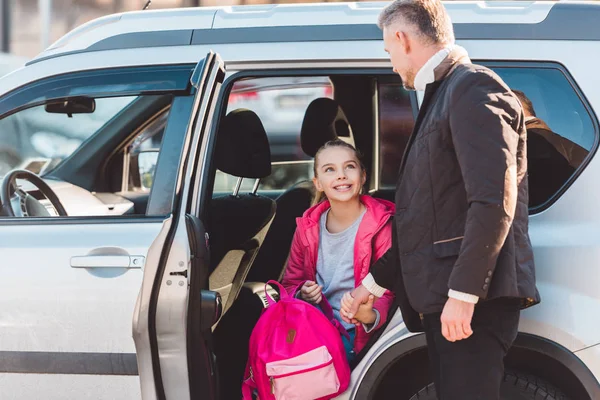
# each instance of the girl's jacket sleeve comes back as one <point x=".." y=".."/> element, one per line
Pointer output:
<point x="295" y="271"/>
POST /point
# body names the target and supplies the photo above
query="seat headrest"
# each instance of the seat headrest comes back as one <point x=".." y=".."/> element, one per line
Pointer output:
<point x="242" y="146"/>
<point x="324" y="120"/>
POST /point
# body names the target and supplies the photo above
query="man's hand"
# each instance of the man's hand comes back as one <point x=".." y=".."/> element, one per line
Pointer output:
<point x="311" y="292"/>
<point x="365" y="313"/>
<point x="456" y="320"/>
<point x="360" y="295"/>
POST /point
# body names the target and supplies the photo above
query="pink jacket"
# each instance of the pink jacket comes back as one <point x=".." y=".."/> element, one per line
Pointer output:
<point x="374" y="234"/>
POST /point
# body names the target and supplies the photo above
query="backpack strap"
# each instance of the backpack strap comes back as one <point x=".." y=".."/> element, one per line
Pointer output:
<point x="248" y="385"/>
<point x="283" y="294"/>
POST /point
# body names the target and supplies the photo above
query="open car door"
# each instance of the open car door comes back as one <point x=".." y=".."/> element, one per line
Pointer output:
<point x="163" y="331"/>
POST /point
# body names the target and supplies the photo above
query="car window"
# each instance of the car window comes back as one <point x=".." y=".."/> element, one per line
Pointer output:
<point x="396" y="122"/>
<point x="142" y="154"/>
<point x="39" y="138"/>
<point x="560" y="130"/>
<point x="280" y="103"/>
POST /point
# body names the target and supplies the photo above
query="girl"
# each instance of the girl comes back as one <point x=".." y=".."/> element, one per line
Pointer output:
<point x="337" y="240"/>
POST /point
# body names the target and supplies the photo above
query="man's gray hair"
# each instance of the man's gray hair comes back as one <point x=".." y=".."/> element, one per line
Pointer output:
<point x="429" y="17"/>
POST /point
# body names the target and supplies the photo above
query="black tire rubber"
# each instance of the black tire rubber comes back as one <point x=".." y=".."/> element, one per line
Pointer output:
<point x="516" y="386"/>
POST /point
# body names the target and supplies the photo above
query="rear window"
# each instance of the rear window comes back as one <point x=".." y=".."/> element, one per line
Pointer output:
<point x="561" y="131"/>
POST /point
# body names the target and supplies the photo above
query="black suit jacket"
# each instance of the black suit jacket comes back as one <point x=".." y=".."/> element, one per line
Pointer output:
<point x="462" y="194"/>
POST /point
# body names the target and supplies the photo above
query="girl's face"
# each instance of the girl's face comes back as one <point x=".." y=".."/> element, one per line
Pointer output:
<point x="339" y="174"/>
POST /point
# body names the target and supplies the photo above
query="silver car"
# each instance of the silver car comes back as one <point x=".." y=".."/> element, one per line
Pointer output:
<point x="135" y="254"/>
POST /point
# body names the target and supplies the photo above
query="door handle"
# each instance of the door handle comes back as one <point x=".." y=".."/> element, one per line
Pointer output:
<point x="108" y="261"/>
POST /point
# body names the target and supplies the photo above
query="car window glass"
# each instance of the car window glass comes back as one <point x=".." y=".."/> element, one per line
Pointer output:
<point x="560" y="131"/>
<point x="34" y="134"/>
<point x="396" y="122"/>
<point x="280" y="103"/>
<point x="143" y="154"/>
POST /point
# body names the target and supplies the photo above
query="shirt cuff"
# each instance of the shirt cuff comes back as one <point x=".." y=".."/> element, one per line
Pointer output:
<point x="369" y="283"/>
<point x="466" y="297"/>
<point x="370" y="327"/>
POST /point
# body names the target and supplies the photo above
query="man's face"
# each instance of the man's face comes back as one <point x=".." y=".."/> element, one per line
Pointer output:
<point x="396" y="46"/>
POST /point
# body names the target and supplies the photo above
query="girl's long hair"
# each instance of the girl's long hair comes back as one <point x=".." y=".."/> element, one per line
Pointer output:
<point x="320" y="196"/>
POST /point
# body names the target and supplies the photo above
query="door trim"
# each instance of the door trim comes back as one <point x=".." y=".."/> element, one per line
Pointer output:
<point x="68" y="363"/>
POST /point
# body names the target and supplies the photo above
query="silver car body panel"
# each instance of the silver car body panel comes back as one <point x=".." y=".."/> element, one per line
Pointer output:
<point x="566" y="236"/>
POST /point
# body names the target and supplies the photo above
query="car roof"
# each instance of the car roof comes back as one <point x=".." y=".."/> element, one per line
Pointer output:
<point x="319" y="22"/>
<point x="290" y="34"/>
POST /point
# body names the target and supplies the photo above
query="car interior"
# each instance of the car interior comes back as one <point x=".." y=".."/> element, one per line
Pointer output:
<point x="101" y="176"/>
<point x="349" y="115"/>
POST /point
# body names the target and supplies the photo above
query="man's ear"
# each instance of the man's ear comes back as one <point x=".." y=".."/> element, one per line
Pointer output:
<point x="405" y="41"/>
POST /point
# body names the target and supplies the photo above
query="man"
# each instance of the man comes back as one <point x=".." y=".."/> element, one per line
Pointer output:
<point x="465" y="258"/>
<point x="552" y="159"/>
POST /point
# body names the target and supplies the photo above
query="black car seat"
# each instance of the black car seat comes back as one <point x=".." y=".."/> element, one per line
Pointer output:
<point x="238" y="222"/>
<point x="324" y="120"/>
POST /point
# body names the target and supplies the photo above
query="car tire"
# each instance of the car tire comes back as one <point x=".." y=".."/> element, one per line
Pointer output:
<point x="516" y="386"/>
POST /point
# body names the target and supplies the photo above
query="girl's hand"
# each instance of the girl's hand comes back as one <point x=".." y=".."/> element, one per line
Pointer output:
<point x="311" y="292"/>
<point x="365" y="313"/>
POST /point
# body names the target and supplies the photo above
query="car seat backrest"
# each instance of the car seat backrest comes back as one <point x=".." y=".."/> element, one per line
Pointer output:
<point x="324" y="120"/>
<point x="238" y="222"/>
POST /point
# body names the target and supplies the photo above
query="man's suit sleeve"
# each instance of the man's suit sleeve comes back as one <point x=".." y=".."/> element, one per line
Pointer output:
<point x="484" y="120"/>
<point x="384" y="272"/>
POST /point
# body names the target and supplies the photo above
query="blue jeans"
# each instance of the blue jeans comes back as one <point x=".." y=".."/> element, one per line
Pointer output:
<point x="349" y="344"/>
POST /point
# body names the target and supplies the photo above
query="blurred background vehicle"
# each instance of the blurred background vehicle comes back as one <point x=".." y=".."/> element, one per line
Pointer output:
<point x="280" y="103"/>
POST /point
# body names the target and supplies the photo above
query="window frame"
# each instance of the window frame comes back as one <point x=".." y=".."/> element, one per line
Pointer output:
<point x="167" y="79"/>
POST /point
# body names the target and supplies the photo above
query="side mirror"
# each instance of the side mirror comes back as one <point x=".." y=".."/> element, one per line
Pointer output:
<point x="75" y="105"/>
<point x="147" y="165"/>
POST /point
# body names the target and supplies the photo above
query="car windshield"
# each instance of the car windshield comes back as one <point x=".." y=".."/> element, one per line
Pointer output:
<point x="40" y="138"/>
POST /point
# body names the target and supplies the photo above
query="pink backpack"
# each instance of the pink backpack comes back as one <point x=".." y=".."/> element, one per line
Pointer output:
<point x="296" y="352"/>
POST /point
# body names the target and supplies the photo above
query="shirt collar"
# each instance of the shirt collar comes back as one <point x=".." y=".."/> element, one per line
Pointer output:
<point x="426" y="75"/>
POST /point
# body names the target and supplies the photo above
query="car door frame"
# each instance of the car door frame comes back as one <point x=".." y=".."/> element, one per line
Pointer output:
<point x="161" y="318"/>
